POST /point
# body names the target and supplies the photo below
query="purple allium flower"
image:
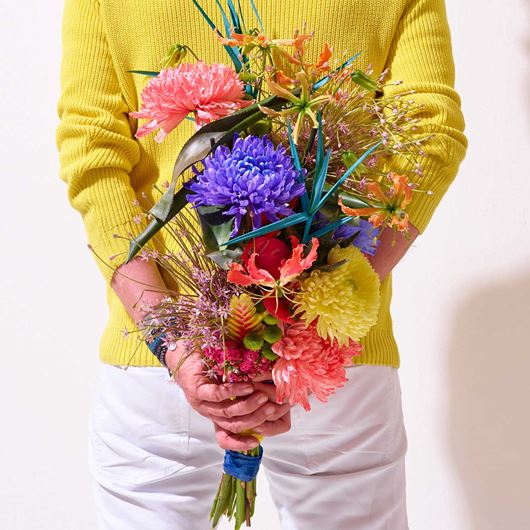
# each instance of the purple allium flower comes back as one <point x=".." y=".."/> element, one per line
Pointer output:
<point x="253" y="178"/>
<point x="365" y="236"/>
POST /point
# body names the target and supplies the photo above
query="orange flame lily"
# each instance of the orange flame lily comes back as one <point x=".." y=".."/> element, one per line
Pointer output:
<point x="248" y="41"/>
<point x="391" y="206"/>
<point x="289" y="269"/>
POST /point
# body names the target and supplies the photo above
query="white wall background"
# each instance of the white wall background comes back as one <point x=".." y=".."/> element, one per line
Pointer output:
<point x="461" y="305"/>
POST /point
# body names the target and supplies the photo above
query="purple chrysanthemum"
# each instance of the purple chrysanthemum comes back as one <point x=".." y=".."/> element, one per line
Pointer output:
<point x="253" y="178"/>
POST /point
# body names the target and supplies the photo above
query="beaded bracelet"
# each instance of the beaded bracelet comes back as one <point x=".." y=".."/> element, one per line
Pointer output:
<point x="158" y="348"/>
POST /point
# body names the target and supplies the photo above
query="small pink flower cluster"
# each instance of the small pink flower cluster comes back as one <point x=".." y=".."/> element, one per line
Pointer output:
<point x="238" y="362"/>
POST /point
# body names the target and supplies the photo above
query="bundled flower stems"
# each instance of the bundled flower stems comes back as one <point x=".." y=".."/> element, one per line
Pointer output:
<point x="288" y="188"/>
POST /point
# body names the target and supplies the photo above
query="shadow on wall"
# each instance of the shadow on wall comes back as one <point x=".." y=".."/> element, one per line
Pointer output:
<point x="489" y="416"/>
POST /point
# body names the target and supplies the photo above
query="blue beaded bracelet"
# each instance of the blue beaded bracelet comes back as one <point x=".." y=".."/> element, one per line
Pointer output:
<point x="158" y="348"/>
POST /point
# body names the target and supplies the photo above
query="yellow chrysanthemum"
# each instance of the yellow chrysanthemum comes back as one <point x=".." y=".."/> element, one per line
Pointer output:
<point x="345" y="300"/>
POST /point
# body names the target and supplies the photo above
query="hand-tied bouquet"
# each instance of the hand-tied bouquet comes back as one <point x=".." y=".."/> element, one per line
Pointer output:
<point x="291" y="191"/>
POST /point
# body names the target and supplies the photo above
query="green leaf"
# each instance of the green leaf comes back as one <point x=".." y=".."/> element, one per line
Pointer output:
<point x="310" y="142"/>
<point x="216" y="227"/>
<point x="254" y="8"/>
<point x="236" y="22"/>
<point x="320" y="144"/>
<point x="269" y="319"/>
<point x="253" y="341"/>
<point x="179" y="201"/>
<point x="225" y="18"/>
<point x="319" y="181"/>
<point x="144" y="72"/>
<point x="304" y="199"/>
<point x="233" y="54"/>
<point x="272" y="334"/>
<point x="225" y="258"/>
<point x="241" y="16"/>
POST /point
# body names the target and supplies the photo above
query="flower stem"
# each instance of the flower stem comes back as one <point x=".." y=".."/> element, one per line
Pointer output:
<point x="221" y="500"/>
<point x="231" y="500"/>
<point x="240" y="504"/>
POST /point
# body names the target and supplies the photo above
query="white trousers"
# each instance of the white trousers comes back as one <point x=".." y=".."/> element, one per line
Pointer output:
<point x="156" y="465"/>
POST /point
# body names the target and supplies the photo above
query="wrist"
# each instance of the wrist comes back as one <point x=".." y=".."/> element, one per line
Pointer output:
<point x="156" y="342"/>
<point x="175" y="358"/>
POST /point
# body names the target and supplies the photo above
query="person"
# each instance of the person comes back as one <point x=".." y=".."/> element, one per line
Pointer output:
<point x="156" y="449"/>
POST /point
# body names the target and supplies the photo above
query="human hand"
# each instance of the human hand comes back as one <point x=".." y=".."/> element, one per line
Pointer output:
<point x="250" y="408"/>
<point x="278" y="423"/>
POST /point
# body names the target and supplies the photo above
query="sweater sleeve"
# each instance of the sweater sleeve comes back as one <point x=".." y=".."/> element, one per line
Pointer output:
<point x="421" y="56"/>
<point x="96" y="146"/>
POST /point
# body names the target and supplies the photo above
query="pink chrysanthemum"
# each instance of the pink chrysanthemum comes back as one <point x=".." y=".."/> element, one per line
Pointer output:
<point x="309" y="363"/>
<point x="210" y="91"/>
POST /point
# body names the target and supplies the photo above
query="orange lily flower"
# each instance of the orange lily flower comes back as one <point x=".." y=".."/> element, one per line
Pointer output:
<point x="288" y="271"/>
<point x="391" y="206"/>
<point x="324" y="57"/>
<point x="248" y="41"/>
<point x="298" y="42"/>
<point x="298" y="58"/>
<point x="244" y="40"/>
<point x="283" y="80"/>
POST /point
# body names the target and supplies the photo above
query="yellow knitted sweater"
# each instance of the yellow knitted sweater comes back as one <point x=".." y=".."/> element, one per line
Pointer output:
<point x="106" y="168"/>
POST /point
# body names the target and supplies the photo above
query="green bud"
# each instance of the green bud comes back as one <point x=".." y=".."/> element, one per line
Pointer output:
<point x="349" y="158"/>
<point x="247" y="77"/>
<point x="269" y="319"/>
<point x="272" y="334"/>
<point x="267" y="352"/>
<point x="175" y="55"/>
<point x="364" y="81"/>
<point x="253" y="341"/>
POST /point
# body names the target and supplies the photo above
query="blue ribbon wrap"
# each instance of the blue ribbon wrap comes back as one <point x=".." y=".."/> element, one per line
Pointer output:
<point x="242" y="466"/>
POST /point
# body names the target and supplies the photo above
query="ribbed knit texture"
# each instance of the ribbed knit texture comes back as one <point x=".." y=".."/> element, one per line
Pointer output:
<point x="106" y="168"/>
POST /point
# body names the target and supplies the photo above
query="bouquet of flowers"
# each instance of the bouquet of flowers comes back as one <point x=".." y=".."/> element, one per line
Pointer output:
<point x="287" y="176"/>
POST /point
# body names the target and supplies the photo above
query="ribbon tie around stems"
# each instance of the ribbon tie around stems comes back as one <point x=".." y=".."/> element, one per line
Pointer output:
<point x="243" y="467"/>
